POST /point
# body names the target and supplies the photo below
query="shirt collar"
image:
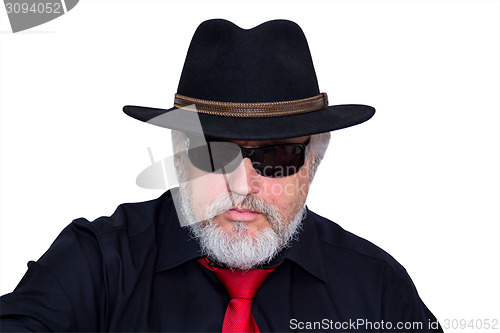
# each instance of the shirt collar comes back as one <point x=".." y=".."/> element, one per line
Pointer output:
<point x="305" y="249"/>
<point x="176" y="246"/>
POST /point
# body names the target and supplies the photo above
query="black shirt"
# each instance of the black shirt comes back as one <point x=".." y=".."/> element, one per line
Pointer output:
<point x="137" y="270"/>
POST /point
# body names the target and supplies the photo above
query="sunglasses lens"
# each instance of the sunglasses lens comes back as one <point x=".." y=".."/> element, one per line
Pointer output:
<point x="278" y="161"/>
<point x="226" y="156"/>
<point x="215" y="156"/>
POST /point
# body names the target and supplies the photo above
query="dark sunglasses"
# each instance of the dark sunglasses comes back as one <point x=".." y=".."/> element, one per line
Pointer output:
<point x="274" y="161"/>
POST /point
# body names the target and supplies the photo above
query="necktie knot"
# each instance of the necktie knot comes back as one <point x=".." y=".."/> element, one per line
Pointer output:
<point x="241" y="284"/>
<point x="241" y="287"/>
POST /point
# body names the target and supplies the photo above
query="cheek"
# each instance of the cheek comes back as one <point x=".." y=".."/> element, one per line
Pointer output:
<point x="204" y="188"/>
<point x="286" y="193"/>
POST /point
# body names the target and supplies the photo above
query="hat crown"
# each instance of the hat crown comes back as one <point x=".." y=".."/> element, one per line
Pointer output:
<point x="268" y="63"/>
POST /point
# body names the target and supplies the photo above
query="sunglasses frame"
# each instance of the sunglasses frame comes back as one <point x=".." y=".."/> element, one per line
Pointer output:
<point x="248" y="152"/>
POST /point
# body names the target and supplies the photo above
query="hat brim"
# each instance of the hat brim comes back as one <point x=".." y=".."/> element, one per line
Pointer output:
<point x="259" y="128"/>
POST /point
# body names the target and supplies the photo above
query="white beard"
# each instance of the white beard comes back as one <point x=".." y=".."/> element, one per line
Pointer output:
<point x="239" y="249"/>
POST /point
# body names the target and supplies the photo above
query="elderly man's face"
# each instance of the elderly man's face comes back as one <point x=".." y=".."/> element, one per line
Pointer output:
<point x="241" y="218"/>
<point x="286" y="194"/>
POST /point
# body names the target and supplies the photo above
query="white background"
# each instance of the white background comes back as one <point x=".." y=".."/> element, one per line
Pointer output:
<point x="421" y="179"/>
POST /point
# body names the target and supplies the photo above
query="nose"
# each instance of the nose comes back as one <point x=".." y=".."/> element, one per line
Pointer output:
<point x="244" y="180"/>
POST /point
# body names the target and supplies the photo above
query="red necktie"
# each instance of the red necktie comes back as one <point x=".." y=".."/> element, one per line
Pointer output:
<point x="241" y="287"/>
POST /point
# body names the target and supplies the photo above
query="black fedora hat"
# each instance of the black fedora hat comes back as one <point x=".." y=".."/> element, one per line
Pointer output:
<point x="255" y="84"/>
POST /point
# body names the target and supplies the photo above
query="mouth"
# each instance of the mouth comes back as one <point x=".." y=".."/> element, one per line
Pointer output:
<point x="242" y="215"/>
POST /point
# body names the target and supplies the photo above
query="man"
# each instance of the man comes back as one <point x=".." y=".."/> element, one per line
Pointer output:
<point x="233" y="248"/>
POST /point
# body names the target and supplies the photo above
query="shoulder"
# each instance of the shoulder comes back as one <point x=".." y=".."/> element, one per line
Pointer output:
<point x="130" y="232"/>
<point x="128" y="218"/>
<point x="339" y="244"/>
<point x="366" y="276"/>
<point x="107" y="247"/>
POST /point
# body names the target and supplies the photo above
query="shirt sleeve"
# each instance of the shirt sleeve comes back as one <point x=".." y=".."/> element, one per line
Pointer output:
<point x="58" y="290"/>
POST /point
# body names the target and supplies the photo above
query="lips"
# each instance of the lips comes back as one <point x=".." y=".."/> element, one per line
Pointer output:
<point x="242" y="215"/>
